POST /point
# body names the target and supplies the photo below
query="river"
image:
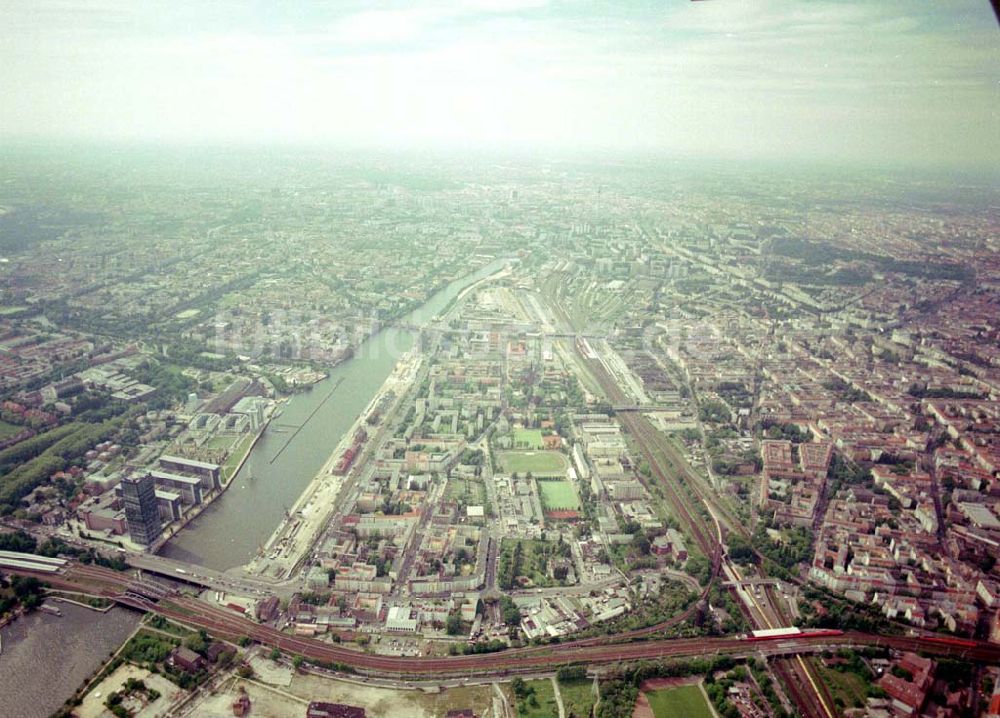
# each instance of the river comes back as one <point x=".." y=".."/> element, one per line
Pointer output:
<point x="230" y="531"/>
<point x="46" y="658"/>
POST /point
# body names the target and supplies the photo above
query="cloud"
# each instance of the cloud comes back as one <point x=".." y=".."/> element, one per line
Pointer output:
<point x="378" y="27"/>
<point x="883" y="81"/>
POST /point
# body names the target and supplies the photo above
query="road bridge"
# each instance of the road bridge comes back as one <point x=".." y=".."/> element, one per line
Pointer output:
<point x="230" y="581"/>
<point x="620" y="408"/>
<point x="754" y="582"/>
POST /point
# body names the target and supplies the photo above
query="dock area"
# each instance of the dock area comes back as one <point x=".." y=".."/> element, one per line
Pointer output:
<point x="306" y="520"/>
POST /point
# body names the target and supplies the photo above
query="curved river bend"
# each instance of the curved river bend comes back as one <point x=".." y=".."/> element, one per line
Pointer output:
<point x="230" y="531"/>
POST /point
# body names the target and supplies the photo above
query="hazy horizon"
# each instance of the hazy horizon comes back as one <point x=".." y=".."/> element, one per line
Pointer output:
<point x="880" y="83"/>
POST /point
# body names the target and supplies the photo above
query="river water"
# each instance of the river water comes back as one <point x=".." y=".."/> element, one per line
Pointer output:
<point x="46" y="658"/>
<point x="230" y="531"/>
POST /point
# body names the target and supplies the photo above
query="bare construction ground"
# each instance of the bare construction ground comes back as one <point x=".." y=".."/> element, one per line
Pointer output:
<point x="281" y="701"/>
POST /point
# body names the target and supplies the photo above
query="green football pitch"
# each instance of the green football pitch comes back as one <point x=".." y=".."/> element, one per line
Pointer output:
<point x="539" y="463"/>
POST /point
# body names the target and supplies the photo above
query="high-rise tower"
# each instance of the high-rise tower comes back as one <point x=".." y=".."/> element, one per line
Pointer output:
<point x="141" y="512"/>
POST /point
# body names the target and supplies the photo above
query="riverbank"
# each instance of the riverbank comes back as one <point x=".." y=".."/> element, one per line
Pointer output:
<point x="56" y="595"/>
<point x="197" y="511"/>
<point x="505" y="272"/>
<point x="232" y="531"/>
<point x="309" y="517"/>
<point x="276" y="412"/>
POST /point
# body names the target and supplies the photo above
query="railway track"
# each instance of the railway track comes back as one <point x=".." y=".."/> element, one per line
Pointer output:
<point x="650" y="444"/>
<point x="234" y="626"/>
<point x="801" y="690"/>
<point x="644" y="434"/>
<point x="801" y="676"/>
<point x="809" y="694"/>
<point x="226" y="624"/>
<point x="113" y="584"/>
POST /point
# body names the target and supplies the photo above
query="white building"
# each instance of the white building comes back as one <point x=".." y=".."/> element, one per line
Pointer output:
<point x="400" y="620"/>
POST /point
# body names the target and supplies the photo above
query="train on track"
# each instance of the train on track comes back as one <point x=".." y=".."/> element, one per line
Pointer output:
<point x="948" y="641"/>
<point x="774" y="634"/>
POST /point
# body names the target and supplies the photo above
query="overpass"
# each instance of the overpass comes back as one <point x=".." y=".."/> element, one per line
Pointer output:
<point x="232" y="581"/>
<point x="754" y="582"/>
<point x="643" y="407"/>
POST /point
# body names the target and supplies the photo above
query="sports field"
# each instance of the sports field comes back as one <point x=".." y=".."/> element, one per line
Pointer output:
<point x="539" y="463"/>
<point x="686" y="701"/>
<point x="558" y="495"/>
<point x="528" y="439"/>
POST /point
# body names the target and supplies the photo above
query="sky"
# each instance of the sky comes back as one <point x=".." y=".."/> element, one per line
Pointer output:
<point x="908" y="82"/>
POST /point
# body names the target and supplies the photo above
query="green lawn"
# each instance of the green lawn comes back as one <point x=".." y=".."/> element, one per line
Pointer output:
<point x="472" y="493"/>
<point x="528" y="438"/>
<point x="236" y="455"/>
<point x="850" y="688"/>
<point x="539" y="463"/>
<point x="541" y="703"/>
<point x="558" y="495"/>
<point x="578" y="697"/>
<point x="535" y="555"/>
<point x="221" y="442"/>
<point x="7" y="430"/>
<point x="159" y="623"/>
<point x="682" y="702"/>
